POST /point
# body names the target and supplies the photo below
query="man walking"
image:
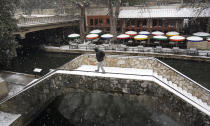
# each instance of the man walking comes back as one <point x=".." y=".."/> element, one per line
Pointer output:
<point x="100" y="57"/>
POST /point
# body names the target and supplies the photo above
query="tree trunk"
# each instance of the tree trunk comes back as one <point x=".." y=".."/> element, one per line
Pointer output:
<point x="113" y="18"/>
<point x="82" y="23"/>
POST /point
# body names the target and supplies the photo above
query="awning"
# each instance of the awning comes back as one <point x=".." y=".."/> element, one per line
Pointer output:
<point x="163" y="13"/>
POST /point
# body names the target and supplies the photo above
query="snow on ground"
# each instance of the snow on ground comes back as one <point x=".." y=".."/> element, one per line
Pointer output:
<point x="6" y="119"/>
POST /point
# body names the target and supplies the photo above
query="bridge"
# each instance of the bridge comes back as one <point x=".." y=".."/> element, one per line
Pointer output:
<point x="27" y="24"/>
<point x="159" y="86"/>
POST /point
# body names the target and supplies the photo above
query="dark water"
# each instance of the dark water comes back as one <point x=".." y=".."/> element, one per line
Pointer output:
<point x="197" y="71"/>
<point x="99" y="109"/>
<point x="39" y="59"/>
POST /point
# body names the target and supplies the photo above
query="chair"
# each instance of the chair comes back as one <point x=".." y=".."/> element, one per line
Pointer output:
<point x="193" y="51"/>
<point x="158" y="49"/>
<point x="175" y="50"/>
<point x="141" y="48"/>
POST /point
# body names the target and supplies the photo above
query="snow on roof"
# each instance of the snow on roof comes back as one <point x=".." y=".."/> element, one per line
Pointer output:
<point x="163" y="13"/>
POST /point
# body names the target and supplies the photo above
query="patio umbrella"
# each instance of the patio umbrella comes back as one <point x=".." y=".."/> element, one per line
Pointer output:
<point x="131" y="33"/>
<point x="140" y="37"/>
<point x="172" y="33"/>
<point x="106" y="36"/>
<point x="74" y="36"/>
<point x="92" y="36"/>
<point x="156" y="33"/>
<point x="194" y="39"/>
<point x="177" y="38"/>
<point x="123" y="36"/>
<point x="160" y="37"/>
<point x="144" y="33"/>
<point x="201" y="34"/>
<point x="96" y="31"/>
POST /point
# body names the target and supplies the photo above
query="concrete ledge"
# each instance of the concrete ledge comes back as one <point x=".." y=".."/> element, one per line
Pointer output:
<point x="3" y="88"/>
<point x="131" y="53"/>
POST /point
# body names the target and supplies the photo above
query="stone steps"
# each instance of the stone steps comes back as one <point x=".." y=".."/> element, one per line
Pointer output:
<point x="183" y="92"/>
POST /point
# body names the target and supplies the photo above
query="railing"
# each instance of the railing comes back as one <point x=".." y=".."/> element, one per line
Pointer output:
<point x="26" y="21"/>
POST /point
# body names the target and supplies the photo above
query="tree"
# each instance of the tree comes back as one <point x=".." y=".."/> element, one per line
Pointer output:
<point x="7" y="26"/>
<point x="113" y="16"/>
<point x="82" y="4"/>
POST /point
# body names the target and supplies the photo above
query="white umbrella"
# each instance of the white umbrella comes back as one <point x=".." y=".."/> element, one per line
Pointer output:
<point x="172" y="33"/>
<point x="131" y="33"/>
<point x="201" y="34"/>
<point x="92" y="36"/>
<point x="140" y="37"/>
<point x="194" y="39"/>
<point x="74" y="36"/>
<point x="160" y="37"/>
<point x="107" y="36"/>
<point x="144" y="33"/>
<point x="156" y="33"/>
<point x="96" y="31"/>
<point x="123" y="36"/>
<point x="177" y="38"/>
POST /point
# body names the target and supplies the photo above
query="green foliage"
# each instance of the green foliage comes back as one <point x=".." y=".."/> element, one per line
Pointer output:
<point x="7" y="26"/>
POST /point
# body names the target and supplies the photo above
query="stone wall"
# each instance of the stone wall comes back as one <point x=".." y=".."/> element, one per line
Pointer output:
<point x="151" y="95"/>
<point x="144" y="63"/>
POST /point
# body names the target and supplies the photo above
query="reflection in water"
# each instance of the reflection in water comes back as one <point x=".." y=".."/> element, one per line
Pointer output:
<point x="39" y="59"/>
<point x="198" y="71"/>
<point x="89" y="109"/>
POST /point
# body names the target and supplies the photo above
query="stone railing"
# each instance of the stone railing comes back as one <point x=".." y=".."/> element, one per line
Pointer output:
<point x="25" y="21"/>
<point x="146" y="63"/>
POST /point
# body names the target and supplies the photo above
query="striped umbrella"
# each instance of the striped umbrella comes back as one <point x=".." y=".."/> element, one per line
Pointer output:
<point x="177" y="38"/>
<point x="160" y="37"/>
<point x="172" y="33"/>
<point x="144" y="33"/>
<point x="74" y="36"/>
<point x="156" y="33"/>
<point x="106" y="36"/>
<point x="123" y="36"/>
<point x="131" y="33"/>
<point x="195" y="39"/>
<point x="92" y="36"/>
<point x="201" y="34"/>
<point x="140" y="37"/>
<point x="96" y="31"/>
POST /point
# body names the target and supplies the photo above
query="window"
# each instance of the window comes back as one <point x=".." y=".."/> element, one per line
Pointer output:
<point x="107" y="21"/>
<point x="154" y="22"/>
<point x="172" y="23"/>
<point x="166" y="23"/>
<point x="133" y="22"/>
<point x="128" y="23"/>
<point x="138" y="23"/>
<point x="144" y="23"/>
<point x="160" y="22"/>
<point x="96" y="21"/>
<point x="91" y="21"/>
<point x="100" y="21"/>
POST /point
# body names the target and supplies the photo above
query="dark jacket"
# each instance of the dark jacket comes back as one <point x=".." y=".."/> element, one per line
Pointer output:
<point x="100" y="55"/>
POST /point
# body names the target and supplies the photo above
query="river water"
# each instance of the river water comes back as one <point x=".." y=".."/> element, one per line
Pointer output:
<point x="124" y="110"/>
